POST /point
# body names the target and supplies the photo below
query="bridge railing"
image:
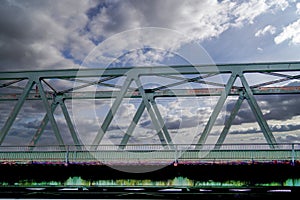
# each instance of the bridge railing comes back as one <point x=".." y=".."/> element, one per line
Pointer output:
<point x="150" y="153"/>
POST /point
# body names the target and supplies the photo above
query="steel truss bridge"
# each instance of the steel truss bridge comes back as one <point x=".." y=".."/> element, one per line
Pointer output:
<point x="117" y="84"/>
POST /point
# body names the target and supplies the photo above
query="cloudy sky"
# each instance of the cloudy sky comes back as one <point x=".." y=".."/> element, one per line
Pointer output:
<point x="61" y="34"/>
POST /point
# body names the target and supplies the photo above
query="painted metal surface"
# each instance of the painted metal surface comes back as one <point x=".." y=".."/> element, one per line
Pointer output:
<point x="39" y="86"/>
<point x="150" y="154"/>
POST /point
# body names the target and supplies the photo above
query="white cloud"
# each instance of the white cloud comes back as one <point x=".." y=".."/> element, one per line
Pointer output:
<point x="298" y="8"/>
<point x="194" y="20"/>
<point x="267" y="29"/>
<point x="259" y="49"/>
<point x="69" y="33"/>
<point x="198" y="19"/>
<point x="282" y="4"/>
<point x="248" y="11"/>
<point x="291" y="33"/>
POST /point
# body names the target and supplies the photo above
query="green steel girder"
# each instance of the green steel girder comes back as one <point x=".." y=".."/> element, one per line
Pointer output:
<point x="41" y="128"/>
<point x="230" y="119"/>
<point x="157" y="121"/>
<point x="257" y="112"/>
<point x="132" y="125"/>
<point x="112" y="112"/>
<point x="50" y="113"/>
<point x="146" y="70"/>
<point x="15" y="111"/>
<point x="148" y="96"/>
<point x="217" y="109"/>
<point x="156" y="94"/>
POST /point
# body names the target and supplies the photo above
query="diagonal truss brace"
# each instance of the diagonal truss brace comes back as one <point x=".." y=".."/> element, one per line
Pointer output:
<point x="109" y="117"/>
<point x="132" y="125"/>
<point x="257" y="113"/>
<point x="155" y="116"/>
<point x="41" y="128"/>
<point x="248" y="94"/>
<point x="236" y="70"/>
<point x="49" y="113"/>
<point x="12" y="116"/>
<point x="31" y="82"/>
<point x="229" y="121"/>
<point x="217" y="109"/>
<point x="137" y="117"/>
<point x="58" y="100"/>
<point x="147" y="103"/>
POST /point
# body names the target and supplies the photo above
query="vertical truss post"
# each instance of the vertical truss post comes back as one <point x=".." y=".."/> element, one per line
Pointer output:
<point x="112" y="112"/>
<point x="257" y="112"/>
<point x="155" y="121"/>
<point x="228" y="122"/>
<point x="293" y="154"/>
<point x="12" y="116"/>
<point x="217" y="109"/>
<point x="132" y="125"/>
<point x="49" y="112"/>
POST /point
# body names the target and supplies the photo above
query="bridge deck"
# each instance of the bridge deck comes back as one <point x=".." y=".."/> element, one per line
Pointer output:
<point x="150" y="155"/>
<point x="146" y="157"/>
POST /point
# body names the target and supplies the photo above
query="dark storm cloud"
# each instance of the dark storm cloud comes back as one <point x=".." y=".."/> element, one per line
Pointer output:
<point x="115" y="136"/>
<point x="18" y="32"/>
<point x="277" y="107"/>
<point x="184" y="122"/>
<point x="282" y="107"/>
<point x="274" y="128"/>
<point x="29" y="120"/>
<point x="288" y="139"/>
<point x="284" y="128"/>
<point x="6" y="108"/>
<point x="23" y="132"/>
<point x="35" y="34"/>
<point x="31" y="124"/>
<point x="177" y="122"/>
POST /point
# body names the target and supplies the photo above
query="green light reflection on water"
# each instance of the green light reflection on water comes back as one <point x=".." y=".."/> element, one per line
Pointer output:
<point x="292" y="182"/>
<point x="177" y="181"/>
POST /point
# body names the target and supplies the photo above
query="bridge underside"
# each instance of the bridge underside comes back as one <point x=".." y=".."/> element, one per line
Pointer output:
<point x="213" y="181"/>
